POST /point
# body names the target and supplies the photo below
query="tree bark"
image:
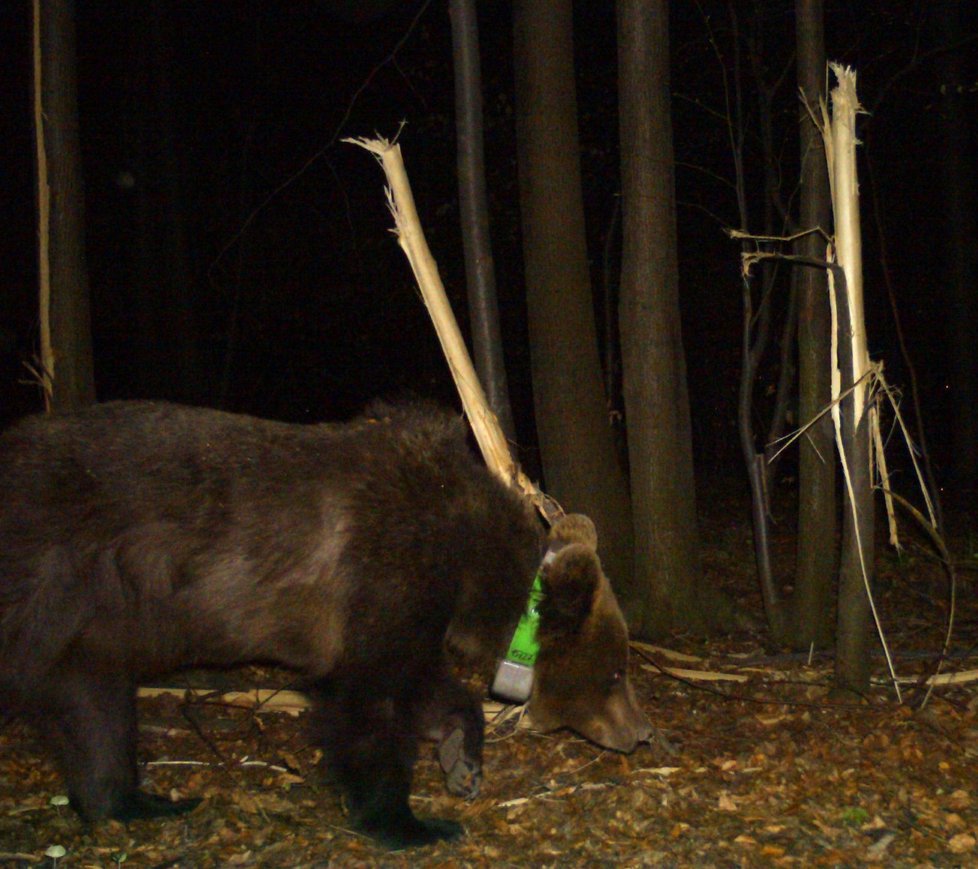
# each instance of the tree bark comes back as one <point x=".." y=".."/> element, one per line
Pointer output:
<point x="816" y="548"/>
<point x="668" y="587"/>
<point x="480" y="276"/>
<point x="852" y="659"/>
<point x="60" y="185"/>
<point x="575" y="437"/>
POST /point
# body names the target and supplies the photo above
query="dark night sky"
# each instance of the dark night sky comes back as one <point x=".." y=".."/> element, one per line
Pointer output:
<point x="329" y="317"/>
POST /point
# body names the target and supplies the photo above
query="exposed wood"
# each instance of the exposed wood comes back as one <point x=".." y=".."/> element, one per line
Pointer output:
<point x="844" y="181"/>
<point x="291" y="702"/>
<point x="488" y="434"/>
<point x="698" y="675"/>
<point x="260" y="699"/>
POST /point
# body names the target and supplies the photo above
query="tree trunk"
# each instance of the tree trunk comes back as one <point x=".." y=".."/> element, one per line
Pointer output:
<point x="756" y="328"/>
<point x="852" y="664"/>
<point x="480" y="277"/>
<point x="67" y="334"/>
<point x="852" y="653"/>
<point x="575" y="437"/>
<point x="668" y="587"/>
<point x="816" y="553"/>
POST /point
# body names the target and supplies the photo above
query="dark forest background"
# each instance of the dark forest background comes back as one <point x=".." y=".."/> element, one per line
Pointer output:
<point x="239" y="254"/>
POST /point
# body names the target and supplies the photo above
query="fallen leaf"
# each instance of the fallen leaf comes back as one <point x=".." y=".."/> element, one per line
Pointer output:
<point x="961" y="843"/>
<point x="725" y="803"/>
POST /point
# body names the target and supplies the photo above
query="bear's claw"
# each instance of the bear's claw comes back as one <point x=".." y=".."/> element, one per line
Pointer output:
<point x="463" y="775"/>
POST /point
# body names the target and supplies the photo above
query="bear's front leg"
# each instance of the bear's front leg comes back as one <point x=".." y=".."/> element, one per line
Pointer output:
<point x="370" y="743"/>
<point x="451" y="716"/>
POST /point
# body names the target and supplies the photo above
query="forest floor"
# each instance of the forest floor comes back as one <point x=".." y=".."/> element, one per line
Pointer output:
<point x="765" y="770"/>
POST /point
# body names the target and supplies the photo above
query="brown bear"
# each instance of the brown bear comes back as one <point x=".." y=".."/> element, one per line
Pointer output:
<point x="140" y="537"/>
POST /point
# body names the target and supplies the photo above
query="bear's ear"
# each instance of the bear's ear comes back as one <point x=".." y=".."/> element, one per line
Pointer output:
<point x="570" y="583"/>
<point x="573" y="528"/>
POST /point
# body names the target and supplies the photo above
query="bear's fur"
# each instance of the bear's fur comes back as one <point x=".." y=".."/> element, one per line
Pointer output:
<point x="140" y="537"/>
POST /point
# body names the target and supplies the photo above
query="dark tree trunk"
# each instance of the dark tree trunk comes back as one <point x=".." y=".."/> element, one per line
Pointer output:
<point x="854" y="632"/>
<point x="60" y="178"/>
<point x="752" y="347"/>
<point x="852" y="658"/>
<point x="669" y="592"/>
<point x="480" y="277"/>
<point x="756" y="329"/>
<point x="816" y="553"/>
<point x="576" y="443"/>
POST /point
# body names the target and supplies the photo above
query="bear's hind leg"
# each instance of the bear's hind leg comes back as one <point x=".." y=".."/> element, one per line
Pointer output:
<point x="89" y="720"/>
<point x="371" y="744"/>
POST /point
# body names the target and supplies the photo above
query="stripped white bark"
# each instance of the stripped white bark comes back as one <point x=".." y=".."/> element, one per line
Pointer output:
<point x="485" y="426"/>
<point x="841" y="144"/>
<point x="838" y="132"/>
<point x="839" y="135"/>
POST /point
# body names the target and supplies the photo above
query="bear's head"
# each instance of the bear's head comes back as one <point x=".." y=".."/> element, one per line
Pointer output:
<point x="580" y="678"/>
